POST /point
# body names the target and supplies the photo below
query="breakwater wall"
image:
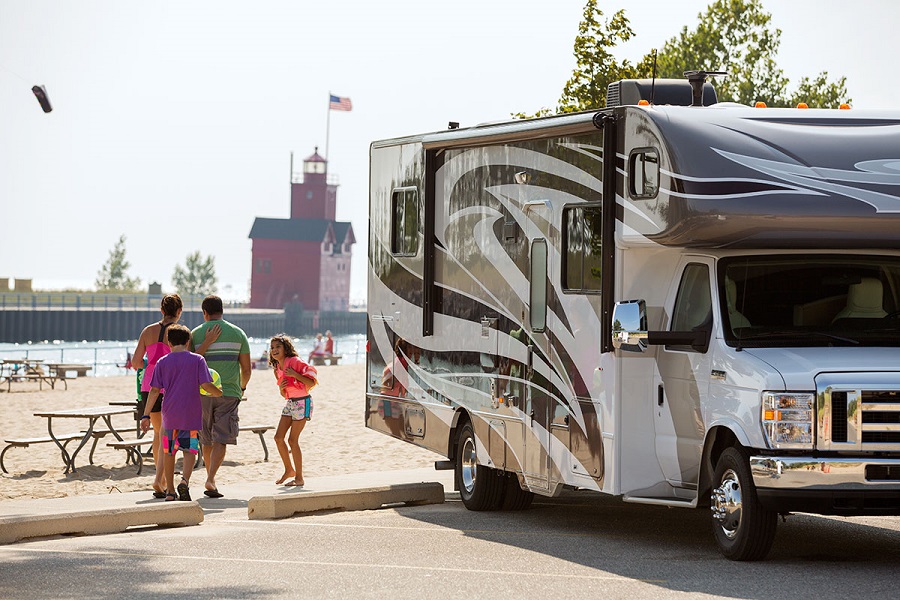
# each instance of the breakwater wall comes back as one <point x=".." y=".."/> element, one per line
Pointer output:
<point x="21" y="324"/>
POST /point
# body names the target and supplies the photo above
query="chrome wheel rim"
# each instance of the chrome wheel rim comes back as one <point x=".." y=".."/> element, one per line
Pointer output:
<point x="468" y="465"/>
<point x="728" y="504"/>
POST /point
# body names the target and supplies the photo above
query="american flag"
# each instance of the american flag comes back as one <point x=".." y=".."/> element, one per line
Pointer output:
<point x="340" y="103"/>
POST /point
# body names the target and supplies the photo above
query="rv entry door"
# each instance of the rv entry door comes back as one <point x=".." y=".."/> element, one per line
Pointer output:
<point x="537" y="401"/>
<point x="684" y="377"/>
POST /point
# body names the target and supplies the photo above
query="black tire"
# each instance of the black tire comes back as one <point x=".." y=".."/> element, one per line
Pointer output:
<point x="515" y="498"/>
<point x="743" y="529"/>
<point x="480" y="487"/>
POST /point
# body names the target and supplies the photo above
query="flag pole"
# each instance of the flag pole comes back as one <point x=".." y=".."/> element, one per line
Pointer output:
<point x="328" y="126"/>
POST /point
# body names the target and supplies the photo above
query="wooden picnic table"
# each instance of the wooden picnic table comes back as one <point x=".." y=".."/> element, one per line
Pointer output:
<point x="92" y="414"/>
<point x="24" y="369"/>
<point x="57" y="372"/>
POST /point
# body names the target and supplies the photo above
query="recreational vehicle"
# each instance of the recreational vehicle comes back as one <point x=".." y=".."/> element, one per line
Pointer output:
<point x="672" y="300"/>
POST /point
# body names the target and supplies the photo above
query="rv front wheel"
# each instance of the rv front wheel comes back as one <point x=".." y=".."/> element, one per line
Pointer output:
<point x="480" y="487"/>
<point x="744" y="530"/>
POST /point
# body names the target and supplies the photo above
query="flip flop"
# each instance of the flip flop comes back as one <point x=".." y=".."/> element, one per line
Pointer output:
<point x="183" y="492"/>
<point x="213" y="493"/>
<point x="294" y="483"/>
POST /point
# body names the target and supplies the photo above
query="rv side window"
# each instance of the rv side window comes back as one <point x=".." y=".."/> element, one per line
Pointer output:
<point x="538" y="296"/>
<point x="405" y="222"/>
<point x="643" y="173"/>
<point x="581" y="248"/>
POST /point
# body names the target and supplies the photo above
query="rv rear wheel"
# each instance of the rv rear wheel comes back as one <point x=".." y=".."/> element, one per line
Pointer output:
<point x="744" y="530"/>
<point x="480" y="487"/>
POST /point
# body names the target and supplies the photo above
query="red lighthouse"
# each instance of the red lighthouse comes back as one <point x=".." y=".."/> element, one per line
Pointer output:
<point x="305" y="258"/>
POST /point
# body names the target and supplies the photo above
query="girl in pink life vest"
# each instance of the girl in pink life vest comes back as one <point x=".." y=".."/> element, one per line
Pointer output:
<point x="295" y="379"/>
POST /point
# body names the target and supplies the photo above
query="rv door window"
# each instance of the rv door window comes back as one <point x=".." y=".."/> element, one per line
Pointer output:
<point x="538" y="296"/>
<point x="693" y="305"/>
<point x="582" y="243"/>
<point x="643" y="173"/>
<point x="405" y="222"/>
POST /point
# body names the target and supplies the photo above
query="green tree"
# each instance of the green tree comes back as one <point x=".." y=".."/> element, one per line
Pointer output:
<point x="735" y="36"/>
<point x="197" y="277"/>
<point x="595" y="66"/>
<point x="820" y="93"/>
<point x="113" y="276"/>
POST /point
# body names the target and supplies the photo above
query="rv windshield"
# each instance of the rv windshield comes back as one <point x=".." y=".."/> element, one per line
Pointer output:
<point x="804" y="300"/>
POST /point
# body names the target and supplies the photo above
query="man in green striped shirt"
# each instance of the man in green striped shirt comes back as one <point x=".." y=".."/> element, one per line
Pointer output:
<point x="229" y="354"/>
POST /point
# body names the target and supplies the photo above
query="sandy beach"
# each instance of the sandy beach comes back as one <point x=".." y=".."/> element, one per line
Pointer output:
<point x="334" y="442"/>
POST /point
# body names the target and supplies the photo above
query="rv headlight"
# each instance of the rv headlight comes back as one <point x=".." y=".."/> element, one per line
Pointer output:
<point x="787" y="419"/>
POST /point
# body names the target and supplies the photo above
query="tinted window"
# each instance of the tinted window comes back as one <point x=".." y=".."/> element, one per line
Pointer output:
<point x="405" y="222"/>
<point x="643" y="173"/>
<point x="582" y="246"/>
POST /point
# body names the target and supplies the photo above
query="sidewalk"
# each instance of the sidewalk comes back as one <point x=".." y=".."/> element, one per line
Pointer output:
<point x="21" y="519"/>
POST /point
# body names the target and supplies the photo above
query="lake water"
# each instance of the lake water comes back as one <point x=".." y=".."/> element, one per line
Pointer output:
<point x="108" y="358"/>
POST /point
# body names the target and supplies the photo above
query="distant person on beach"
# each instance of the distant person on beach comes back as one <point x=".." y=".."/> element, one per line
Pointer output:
<point x="182" y="374"/>
<point x="295" y="379"/>
<point x="227" y="350"/>
<point x="153" y="341"/>
<point x="318" y="347"/>
<point x="329" y="343"/>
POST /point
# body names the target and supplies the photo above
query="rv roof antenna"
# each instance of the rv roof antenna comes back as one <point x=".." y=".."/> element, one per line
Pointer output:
<point x="697" y="79"/>
<point x="453" y="125"/>
<point x="653" y="78"/>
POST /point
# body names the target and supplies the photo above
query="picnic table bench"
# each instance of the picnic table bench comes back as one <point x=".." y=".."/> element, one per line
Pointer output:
<point x="65" y="438"/>
<point x="259" y="430"/>
<point x="133" y="448"/>
<point x="319" y="360"/>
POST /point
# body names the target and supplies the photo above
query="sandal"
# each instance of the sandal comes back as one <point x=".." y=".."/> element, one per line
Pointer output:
<point x="183" y="492"/>
<point x="171" y="496"/>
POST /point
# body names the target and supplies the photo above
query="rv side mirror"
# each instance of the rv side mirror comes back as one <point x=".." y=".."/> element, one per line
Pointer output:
<point x="629" y="331"/>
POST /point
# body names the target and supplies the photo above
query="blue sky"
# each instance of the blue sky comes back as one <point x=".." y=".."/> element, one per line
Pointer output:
<point x="174" y="122"/>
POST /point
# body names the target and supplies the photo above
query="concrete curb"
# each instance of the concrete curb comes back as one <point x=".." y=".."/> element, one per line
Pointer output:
<point x="286" y="505"/>
<point x="108" y="520"/>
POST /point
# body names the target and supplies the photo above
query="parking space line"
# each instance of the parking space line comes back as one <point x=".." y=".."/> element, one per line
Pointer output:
<point x="308" y="563"/>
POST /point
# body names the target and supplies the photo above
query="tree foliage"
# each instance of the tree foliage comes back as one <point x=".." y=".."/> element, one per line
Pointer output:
<point x="113" y="276"/>
<point x="197" y="277"/>
<point x="735" y="36"/>
<point x="595" y="64"/>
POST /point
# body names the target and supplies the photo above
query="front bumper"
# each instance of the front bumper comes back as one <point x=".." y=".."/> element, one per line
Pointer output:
<point x="844" y="486"/>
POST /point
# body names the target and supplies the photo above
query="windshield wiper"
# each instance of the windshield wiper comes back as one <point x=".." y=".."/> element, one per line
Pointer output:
<point x="796" y="333"/>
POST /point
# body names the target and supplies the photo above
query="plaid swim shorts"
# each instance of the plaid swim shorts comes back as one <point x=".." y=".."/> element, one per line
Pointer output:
<point x="186" y="440"/>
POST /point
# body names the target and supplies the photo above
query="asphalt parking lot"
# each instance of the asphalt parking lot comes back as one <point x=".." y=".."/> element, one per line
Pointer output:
<point x="574" y="547"/>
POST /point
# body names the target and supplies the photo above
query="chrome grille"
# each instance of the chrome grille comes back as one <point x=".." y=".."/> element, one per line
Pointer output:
<point x="858" y="411"/>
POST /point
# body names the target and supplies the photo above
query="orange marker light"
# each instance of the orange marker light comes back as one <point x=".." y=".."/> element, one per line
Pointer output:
<point x="803" y="105"/>
<point x="769" y="415"/>
<point x="845" y="106"/>
<point x="760" y="104"/>
<point x="643" y="103"/>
